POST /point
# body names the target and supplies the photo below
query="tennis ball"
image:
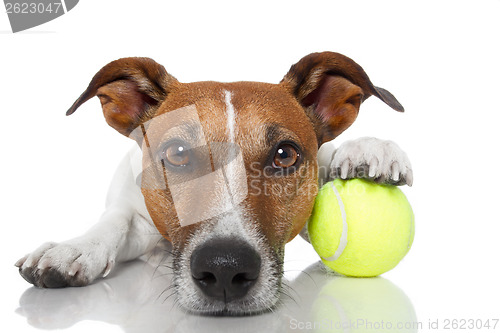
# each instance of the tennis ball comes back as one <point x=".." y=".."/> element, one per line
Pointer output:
<point x="360" y="228"/>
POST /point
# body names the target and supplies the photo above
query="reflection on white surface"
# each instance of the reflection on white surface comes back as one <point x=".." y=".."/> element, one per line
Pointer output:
<point x="137" y="298"/>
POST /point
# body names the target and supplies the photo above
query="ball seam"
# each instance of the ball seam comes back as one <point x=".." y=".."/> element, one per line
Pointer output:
<point x="343" y="236"/>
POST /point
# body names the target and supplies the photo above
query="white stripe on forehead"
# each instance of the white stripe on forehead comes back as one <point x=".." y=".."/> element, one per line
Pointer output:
<point x="231" y="124"/>
<point x="232" y="223"/>
<point x="231" y="118"/>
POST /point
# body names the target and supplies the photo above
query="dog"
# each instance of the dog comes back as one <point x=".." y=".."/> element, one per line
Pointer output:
<point x="227" y="173"/>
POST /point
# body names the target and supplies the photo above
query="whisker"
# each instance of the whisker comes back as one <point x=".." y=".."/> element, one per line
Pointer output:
<point x="304" y="272"/>
<point x="161" y="264"/>
<point x="164" y="290"/>
<point x="289" y="296"/>
<point x="163" y="275"/>
<point x="169" y="295"/>
<point x="175" y="303"/>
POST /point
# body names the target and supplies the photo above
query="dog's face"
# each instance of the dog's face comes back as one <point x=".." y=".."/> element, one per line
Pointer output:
<point x="230" y="171"/>
<point x="278" y="149"/>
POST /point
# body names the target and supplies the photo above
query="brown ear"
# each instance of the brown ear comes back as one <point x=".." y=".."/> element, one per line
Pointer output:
<point x="130" y="91"/>
<point x="332" y="87"/>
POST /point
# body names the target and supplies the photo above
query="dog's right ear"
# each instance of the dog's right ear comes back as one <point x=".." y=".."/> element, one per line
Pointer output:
<point x="130" y="91"/>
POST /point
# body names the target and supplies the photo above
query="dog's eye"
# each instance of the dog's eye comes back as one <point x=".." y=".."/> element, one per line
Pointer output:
<point x="286" y="156"/>
<point x="176" y="154"/>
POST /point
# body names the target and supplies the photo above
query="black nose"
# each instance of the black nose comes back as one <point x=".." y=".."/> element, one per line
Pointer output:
<point x="225" y="269"/>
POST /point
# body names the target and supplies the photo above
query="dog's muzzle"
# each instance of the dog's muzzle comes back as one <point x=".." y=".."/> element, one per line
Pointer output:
<point x="225" y="269"/>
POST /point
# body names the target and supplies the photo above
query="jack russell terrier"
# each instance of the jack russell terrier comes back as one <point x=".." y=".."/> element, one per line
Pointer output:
<point x="226" y="172"/>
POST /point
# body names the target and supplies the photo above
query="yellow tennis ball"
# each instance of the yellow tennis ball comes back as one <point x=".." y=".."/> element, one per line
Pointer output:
<point x="360" y="228"/>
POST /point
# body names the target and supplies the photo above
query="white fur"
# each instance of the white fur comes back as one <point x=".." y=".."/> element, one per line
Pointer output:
<point x="325" y="155"/>
<point x="231" y="116"/>
<point x="234" y="168"/>
<point x="383" y="158"/>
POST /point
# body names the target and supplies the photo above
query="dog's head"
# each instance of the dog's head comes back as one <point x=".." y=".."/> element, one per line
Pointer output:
<point x="229" y="169"/>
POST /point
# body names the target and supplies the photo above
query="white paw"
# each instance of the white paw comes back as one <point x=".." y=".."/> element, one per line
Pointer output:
<point x="380" y="160"/>
<point x="74" y="263"/>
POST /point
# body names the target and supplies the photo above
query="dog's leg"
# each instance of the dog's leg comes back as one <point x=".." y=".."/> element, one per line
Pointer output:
<point x="124" y="232"/>
<point x="379" y="160"/>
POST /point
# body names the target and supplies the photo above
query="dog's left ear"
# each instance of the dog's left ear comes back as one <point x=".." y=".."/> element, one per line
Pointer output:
<point x="130" y="91"/>
<point x="331" y="87"/>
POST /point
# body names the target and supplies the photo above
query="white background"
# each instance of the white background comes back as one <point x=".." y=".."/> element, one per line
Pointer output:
<point x="440" y="59"/>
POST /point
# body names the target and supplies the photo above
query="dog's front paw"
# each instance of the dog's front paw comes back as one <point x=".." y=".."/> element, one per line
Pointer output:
<point x="74" y="263"/>
<point x="380" y="160"/>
